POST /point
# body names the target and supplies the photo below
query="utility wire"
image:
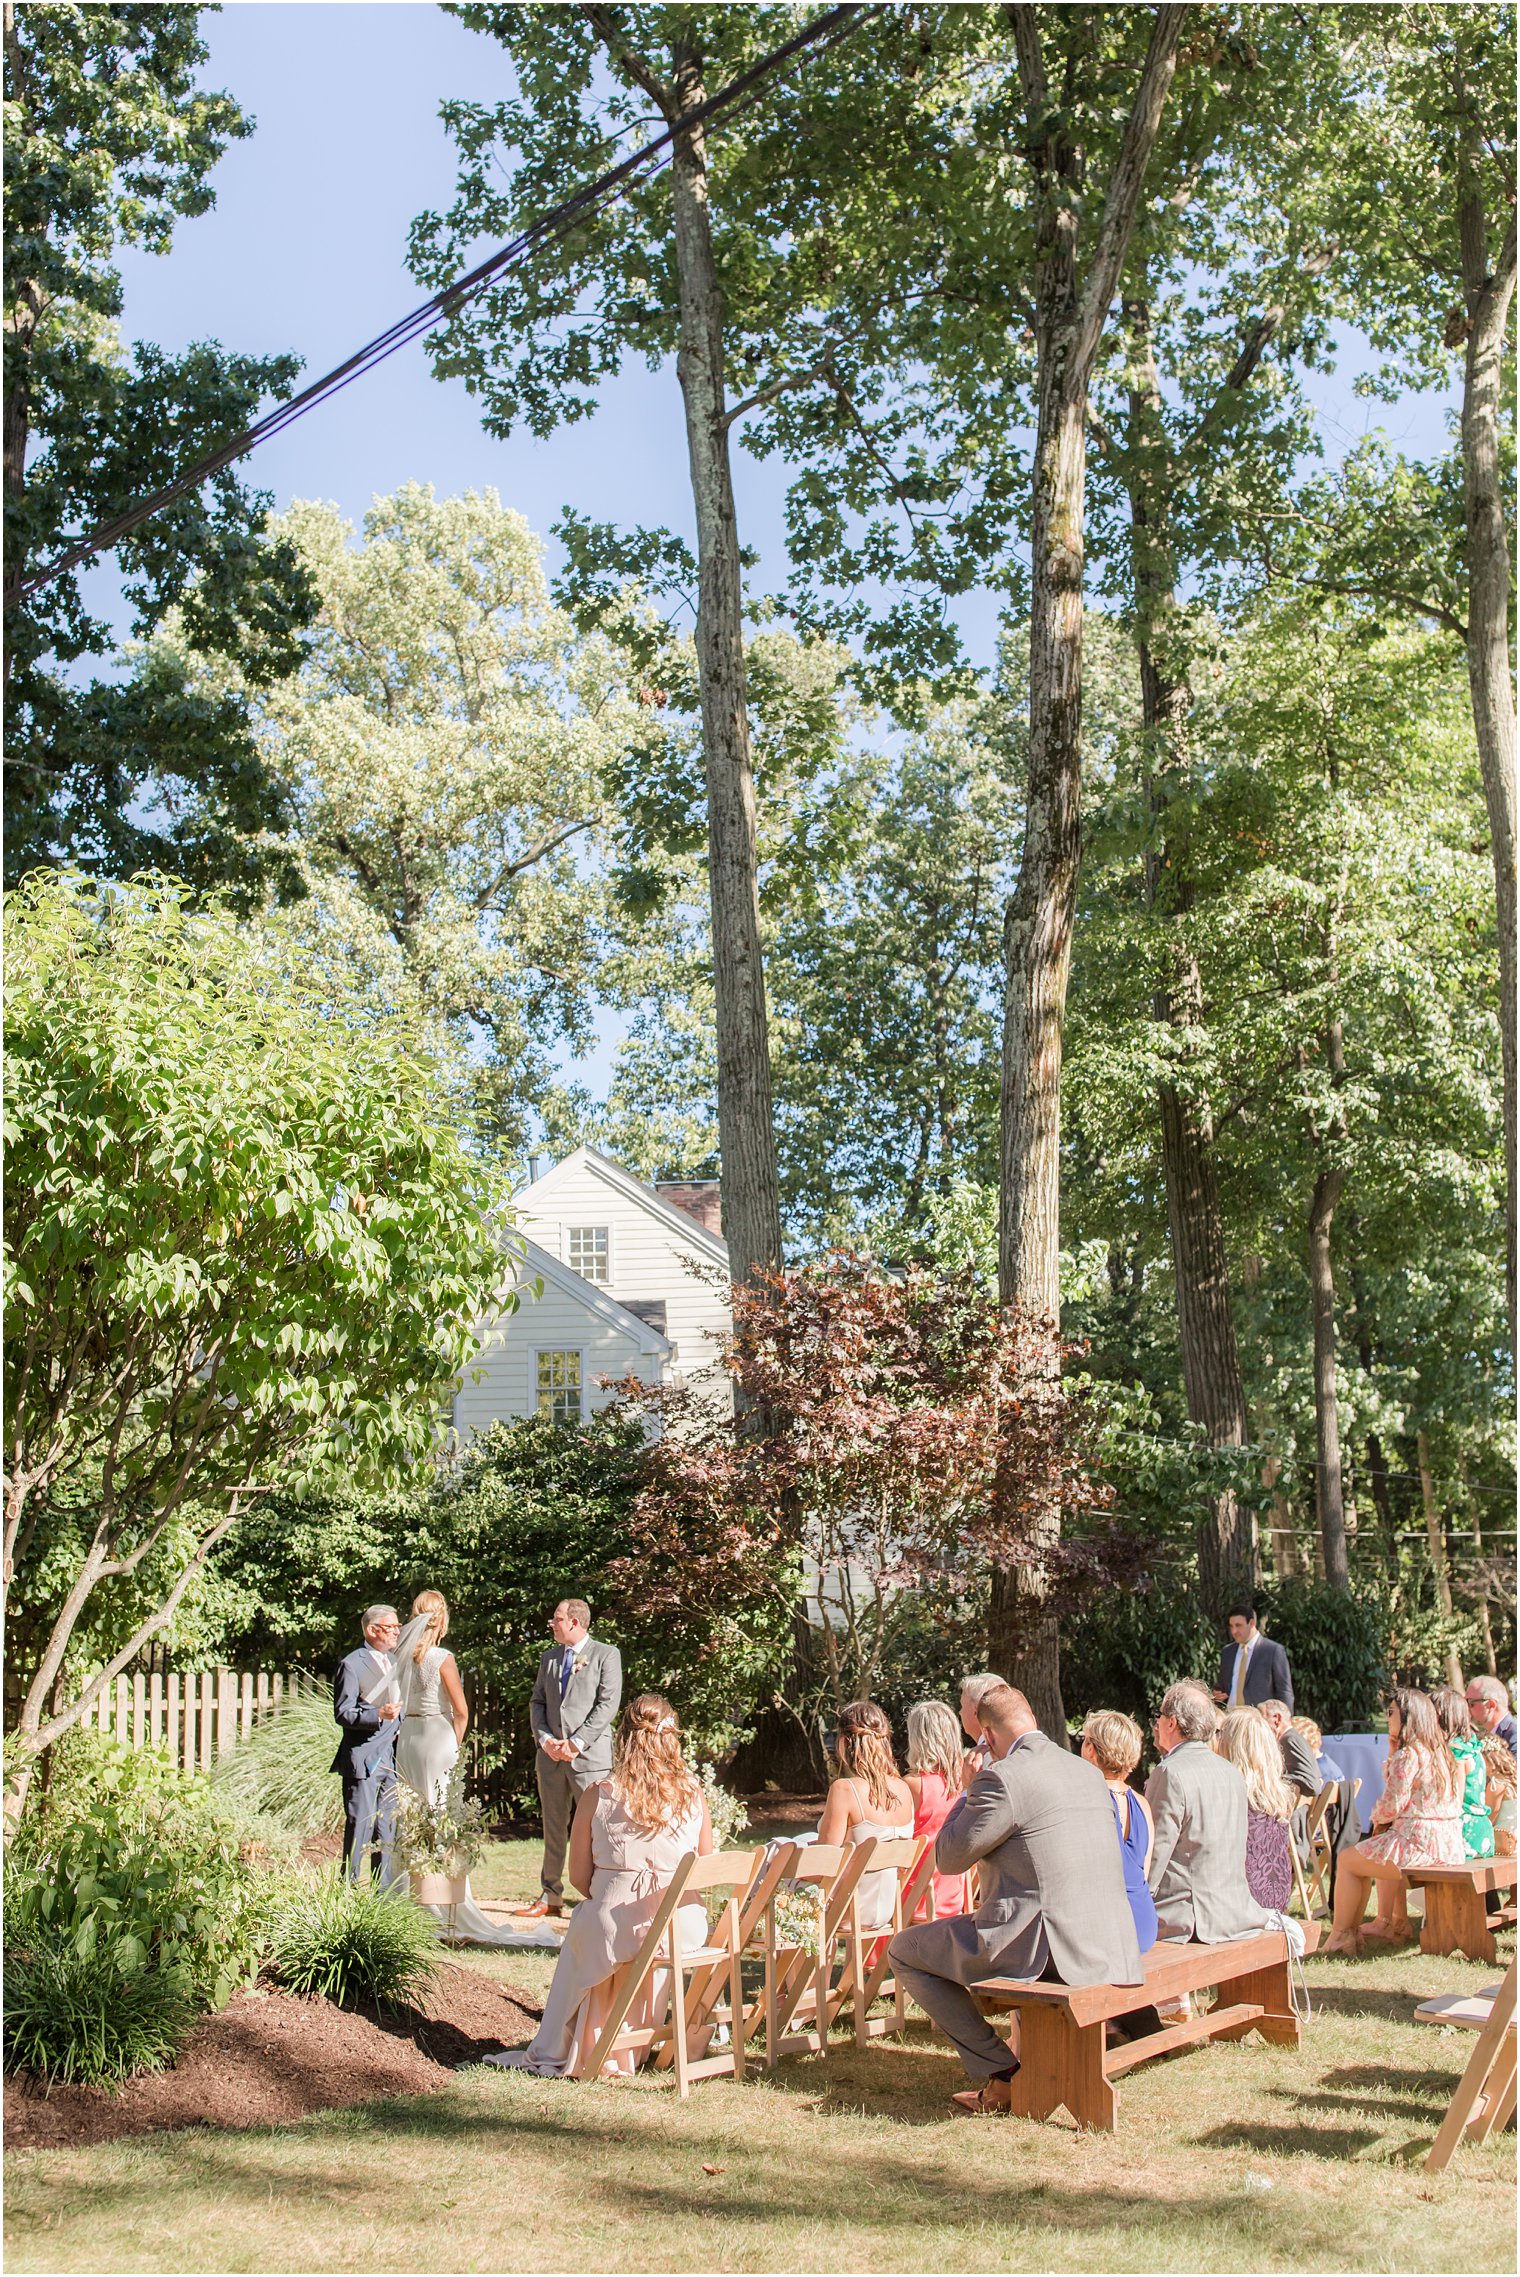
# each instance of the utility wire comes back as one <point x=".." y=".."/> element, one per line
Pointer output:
<point x="584" y="205"/>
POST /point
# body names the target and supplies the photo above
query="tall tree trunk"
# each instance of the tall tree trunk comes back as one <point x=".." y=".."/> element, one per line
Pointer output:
<point x="1328" y="1491"/>
<point x="746" y="1125"/>
<point x="1489" y="568"/>
<point x="1435" y="1542"/>
<point x="1213" y="1384"/>
<point x="1070" y="314"/>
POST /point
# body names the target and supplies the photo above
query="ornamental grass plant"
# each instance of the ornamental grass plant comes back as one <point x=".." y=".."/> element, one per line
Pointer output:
<point x="279" y="1781"/>
<point x="352" y="1941"/>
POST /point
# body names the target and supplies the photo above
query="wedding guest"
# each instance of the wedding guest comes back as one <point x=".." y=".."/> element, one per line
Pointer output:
<point x="631" y="1831"/>
<point x="1488" y="1705"/>
<point x="867" y="1799"/>
<point x="973" y="1690"/>
<point x="1113" y="1742"/>
<point x="1467" y="1754"/>
<point x="935" y="1778"/>
<point x="1416" y="1821"/>
<point x="1252" y="1668"/>
<point x="1039" y="1822"/>
<point x="1327" y="1765"/>
<point x="1200" y="1809"/>
<point x="575" y="1699"/>
<point x="367" y="1710"/>
<point x="1244" y="1740"/>
<point x="1298" y="1765"/>
<point x="1499" y="1795"/>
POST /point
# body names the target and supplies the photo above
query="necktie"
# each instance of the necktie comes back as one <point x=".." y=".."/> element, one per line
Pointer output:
<point x="566" y="1669"/>
<point x="1242" y="1654"/>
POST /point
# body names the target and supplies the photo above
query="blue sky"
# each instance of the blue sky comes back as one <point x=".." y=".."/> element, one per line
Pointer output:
<point x="306" y="250"/>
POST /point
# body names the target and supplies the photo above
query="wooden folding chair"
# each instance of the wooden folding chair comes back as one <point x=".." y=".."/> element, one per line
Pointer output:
<point x="864" y="1978"/>
<point x="718" y="1957"/>
<point x="1485" y="2096"/>
<point x="1321" y="1854"/>
<point x="796" y="1981"/>
<point x="769" y="1870"/>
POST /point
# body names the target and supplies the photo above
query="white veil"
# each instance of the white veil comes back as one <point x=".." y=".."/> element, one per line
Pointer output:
<point x="406" y="1668"/>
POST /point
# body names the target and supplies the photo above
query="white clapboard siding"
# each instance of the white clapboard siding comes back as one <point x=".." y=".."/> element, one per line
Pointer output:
<point x="504" y="1380"/>
<point x="657" y="1253"/>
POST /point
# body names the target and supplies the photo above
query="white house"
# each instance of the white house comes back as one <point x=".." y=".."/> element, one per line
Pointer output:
<point x="634" y="1278"/>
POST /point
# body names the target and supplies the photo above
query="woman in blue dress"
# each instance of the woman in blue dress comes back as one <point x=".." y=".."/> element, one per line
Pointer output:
<point x="1113" y="1742"/>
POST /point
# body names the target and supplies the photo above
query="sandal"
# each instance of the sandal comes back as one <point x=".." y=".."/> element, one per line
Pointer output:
<point x="1347" y="1942"/>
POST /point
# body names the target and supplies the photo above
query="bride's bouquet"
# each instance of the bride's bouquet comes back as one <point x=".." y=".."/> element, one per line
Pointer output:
<point x="446" y="1837"/>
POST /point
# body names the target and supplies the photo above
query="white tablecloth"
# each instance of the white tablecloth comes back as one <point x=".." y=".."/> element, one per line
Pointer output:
<point x="1361" y="1755"/>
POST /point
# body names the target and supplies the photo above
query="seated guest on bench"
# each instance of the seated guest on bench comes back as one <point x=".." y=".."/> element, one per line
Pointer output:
<point x="1327" y="1765"/>
<point x="973" y="1689"/>
<point x="936" y="1779"/>
<point x="1041" y="1825"/>
<point x="1113" y="1742"/>
<point x="1488" y="1705"/>
<point x="1298" y="1765"/>
<point x="1201" y="1811"/>
<point x="1467" y="1754"/>
<point x="1416" y="1821"/>
<point x="1499" y="1795"/>
<point x="1244" y="1740"/>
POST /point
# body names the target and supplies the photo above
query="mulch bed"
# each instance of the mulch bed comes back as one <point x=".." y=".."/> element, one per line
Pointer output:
<point x="269" y="2058"/>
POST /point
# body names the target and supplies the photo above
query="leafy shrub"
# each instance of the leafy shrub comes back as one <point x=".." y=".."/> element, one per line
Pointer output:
<point x="1337" y="1648"/>
<point x="84" y="2018"/>
<point x="129" y="1859"/>
<point x="280" y="1779"/>
<point x="352" y="1941"/>
<point x="1124" y="1649"/>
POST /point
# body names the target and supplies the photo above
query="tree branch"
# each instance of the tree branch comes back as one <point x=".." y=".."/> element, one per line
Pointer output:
<point x="1124" y="188"/>
<point x="604" y="23"/>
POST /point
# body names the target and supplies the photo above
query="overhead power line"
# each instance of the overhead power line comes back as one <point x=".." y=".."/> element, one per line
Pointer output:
<point x="587" y="201"/>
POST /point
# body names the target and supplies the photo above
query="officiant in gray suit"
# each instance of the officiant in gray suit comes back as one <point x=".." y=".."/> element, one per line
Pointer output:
<point x="575" y="1703"/>
<point x="1039" y="1822"/>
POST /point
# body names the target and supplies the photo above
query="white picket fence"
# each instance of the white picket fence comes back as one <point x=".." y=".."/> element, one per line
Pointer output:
<point x="197" y="1717"/>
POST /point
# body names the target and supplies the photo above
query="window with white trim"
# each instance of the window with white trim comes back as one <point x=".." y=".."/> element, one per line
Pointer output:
<point x="588" y="1251"/>
<point x="559" y="1386"/>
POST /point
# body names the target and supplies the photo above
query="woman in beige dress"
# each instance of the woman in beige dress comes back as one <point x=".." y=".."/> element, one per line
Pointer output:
<point x="630" y="1833"/>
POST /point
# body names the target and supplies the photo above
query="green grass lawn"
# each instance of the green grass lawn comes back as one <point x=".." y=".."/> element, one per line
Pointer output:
<point x="1231" y="2157"/>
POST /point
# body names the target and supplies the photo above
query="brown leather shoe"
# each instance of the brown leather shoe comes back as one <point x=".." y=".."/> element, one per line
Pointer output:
<point x="541" y="1906"/>
<point x="991" y="2100"/>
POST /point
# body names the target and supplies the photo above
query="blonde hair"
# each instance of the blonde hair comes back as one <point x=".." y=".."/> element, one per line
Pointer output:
<point x="1308" y="1729"/>
<point x="1115" y="1740"/>
<point x="432" y="1603"/>
<point x="1247" y="1740"/>
<point x="863" y="1750"/>
<point x="934" y="1743"/>
<point x="650" y="1775"/>
<point x="1498" y="1766"/>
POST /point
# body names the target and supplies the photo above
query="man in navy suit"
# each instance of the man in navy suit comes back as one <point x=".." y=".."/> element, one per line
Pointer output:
<point x="369" y="1717"/>
<point x="1251" y="1668"/>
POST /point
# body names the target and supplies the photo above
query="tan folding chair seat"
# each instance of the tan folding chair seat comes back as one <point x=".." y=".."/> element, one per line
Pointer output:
<point x="674" y="2026"/>
<point x="795" y="2001"/>
<point x="865" y="1979"/>
<point x="1485" y="2096"/>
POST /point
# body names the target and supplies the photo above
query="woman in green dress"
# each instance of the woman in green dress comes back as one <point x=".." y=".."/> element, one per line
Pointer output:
<point x="1467" y="1750"/>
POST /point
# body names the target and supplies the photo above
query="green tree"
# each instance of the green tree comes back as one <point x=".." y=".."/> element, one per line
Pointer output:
<point x="244" y="1240"/>
<point x="443" y="749"/>
<point x="109" y="140"/>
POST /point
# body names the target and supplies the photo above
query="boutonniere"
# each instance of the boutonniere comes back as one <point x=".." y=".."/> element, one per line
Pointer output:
<point x="576" y="1666"/>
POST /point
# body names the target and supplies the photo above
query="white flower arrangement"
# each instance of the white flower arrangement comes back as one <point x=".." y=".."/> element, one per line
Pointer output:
<point x="729" y="1813"/>
<point x="797" y="1917"/>
<point x="440" y="1838"/>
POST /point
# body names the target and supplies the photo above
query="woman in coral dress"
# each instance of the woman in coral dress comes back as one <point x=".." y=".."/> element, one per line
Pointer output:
<point x="631" y="1831"/>
<point x="1417" y="1821"/>
<point x="936" y="1778"/>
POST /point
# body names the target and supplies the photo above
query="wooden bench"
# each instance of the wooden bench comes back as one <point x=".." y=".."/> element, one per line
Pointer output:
<point x="1063" y="2053"/>
<point x="1455" y="1919"/>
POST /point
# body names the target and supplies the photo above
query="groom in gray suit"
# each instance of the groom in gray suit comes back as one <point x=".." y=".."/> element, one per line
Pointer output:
<point x="1040" y="1824"/>
<point x="576" y="1698"/>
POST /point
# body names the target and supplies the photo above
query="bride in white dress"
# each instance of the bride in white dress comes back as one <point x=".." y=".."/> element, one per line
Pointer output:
<point x="435" y="1718"/>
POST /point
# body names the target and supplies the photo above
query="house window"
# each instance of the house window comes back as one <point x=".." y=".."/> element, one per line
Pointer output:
<point x="559" y="1386"/>
<point x="588" y="1250"/>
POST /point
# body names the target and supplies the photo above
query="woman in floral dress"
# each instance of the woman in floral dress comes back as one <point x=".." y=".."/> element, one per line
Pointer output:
<point x="1417" y="1821"/>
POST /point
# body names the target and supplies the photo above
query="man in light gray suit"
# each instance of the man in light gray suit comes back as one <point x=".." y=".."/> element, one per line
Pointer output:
<point x="1198" y="1803"/>
<point x="1040" y="1824"/>
<point x="575" y="1700"/>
